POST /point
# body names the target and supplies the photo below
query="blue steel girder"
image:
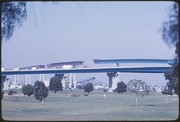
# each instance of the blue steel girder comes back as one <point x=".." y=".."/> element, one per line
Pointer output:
<point x="167" y="61"/>
<point x="91" y="70"/>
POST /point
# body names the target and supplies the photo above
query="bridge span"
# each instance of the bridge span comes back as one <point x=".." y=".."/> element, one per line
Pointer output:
<point x="111" y="71"/>
<point x="90" y="70"/>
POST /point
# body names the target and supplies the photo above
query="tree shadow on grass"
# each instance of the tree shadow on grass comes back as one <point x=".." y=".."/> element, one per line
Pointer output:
<point x="150" y="105"/>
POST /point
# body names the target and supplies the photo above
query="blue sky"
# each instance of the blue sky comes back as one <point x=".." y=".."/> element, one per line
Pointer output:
<point x="70" y="31"/>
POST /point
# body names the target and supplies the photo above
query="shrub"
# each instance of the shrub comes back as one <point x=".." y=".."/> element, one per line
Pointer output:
<point x="88" y="88"/>
<point x="27" y="90"/>
<point x="121" y="87"/>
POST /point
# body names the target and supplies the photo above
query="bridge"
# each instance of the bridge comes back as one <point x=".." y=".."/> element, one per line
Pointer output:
<point x="114" y="76"/>
<point x="105" y="61"/>
<point x="90" y="70"/>
<point x="111" y="71"/>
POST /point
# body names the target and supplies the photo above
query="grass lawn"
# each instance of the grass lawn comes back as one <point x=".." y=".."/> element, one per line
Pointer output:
<point x="62" y="106"/>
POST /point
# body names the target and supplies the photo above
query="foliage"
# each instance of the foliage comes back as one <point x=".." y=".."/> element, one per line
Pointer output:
<point x="55" y="83"/>
<point x="27" y="90"/>
<point x="167" y="91"/>
<point x="170" y="34"/>
<point x="88" y="88"/>
<point x="170" y="28"/>
<point x="121" y="87"/>
<point x="11" y="92"/>
<point x="85" y="94"/>
<point x="105" y="90"/>
<point x="3" y="79"/>
<point x="13" y="15"/>
<point x="138" y="87"/>
<point x="2" y="94"/>
<point x="40" y="90"/>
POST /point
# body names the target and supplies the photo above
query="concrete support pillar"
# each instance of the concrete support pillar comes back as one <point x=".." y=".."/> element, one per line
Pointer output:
<point x="111" y="75"/>
<point x="40" y="77"/>
<point x="26" y="80"/>
<point x="115" y="80"/>
<point x="43" y="77"/>
<point x="70" y="80"/>
<point x="75" y="80"/>
<point x="15" y="80"/>
<point x="63" y="83"/>
<point x="18" y="80"/>
<point x="29" y="79"/>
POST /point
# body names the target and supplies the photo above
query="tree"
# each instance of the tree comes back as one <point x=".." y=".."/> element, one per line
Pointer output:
<point x="3" y="79"/>
<point x="167" y="91"/>
<point x="40" y="91"/>
<point x="121" y="87"/>
<point x="138" y="87"/>
<point x="88" y="88"/>
<point x="2" y="94"/>
<point x="55" y="83"/>
<point x="13" y="15"/>
<point x="27" y="90"/>
<point x="170" y="34"/>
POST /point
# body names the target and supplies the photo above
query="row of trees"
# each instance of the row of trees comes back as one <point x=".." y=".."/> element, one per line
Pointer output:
<point x="137" y="87"/>
<point x="40" y="91"/>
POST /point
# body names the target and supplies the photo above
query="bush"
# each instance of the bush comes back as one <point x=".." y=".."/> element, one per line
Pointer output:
<point x="27" y="90"/>
<point x="121" y="87"/>
<point x="85" y="95"/>
<point x="12" y="92"/>
<point x="167" y="91"/>
<point x="88" y="88"/>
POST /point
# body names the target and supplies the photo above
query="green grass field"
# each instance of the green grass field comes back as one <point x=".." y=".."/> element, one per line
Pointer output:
<point x="62" y="106"/>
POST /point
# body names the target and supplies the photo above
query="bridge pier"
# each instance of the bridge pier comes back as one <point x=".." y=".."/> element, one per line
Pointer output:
<point x="111" y="75"/>
<point x="115" y="80"/>
<point x="72" y="80"/>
